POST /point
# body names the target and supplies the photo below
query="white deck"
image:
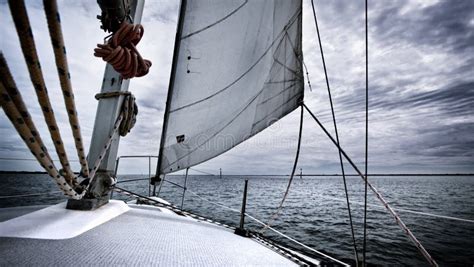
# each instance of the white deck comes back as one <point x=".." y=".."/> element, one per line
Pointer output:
<point x="57" y="222"/>
<point x="143" y="235"/>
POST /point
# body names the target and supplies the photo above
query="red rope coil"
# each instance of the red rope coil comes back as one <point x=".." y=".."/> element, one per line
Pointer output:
<point x="121" y="53"/>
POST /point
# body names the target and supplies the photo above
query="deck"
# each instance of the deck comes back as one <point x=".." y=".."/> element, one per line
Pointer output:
<point x="143" y="235"/>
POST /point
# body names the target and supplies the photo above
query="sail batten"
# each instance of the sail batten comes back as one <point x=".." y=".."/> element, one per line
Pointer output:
<point x="237" y="69"/>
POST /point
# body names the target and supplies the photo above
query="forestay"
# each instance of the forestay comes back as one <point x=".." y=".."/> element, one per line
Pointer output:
<point x="237" y="69"/>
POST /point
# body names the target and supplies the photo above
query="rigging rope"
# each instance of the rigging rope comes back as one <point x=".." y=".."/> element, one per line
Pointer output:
<point x="23" y="159"/>
<point x="356" y="254"/>
<point x="124" y="123"/>
<point x="14" y="94"/>
<point x="277" y="212"/>
<point x="31" y="135"/>
<point x="120" y="51"/>
<point x="54" y="26"/>
<point x="15" y="109"/>
<point x="377" y="194"/>
<point x="31" y="138"/>
<point x="22" y="24"/>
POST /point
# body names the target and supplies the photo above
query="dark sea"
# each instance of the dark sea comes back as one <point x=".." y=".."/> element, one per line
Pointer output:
<point x="315" y="212"/>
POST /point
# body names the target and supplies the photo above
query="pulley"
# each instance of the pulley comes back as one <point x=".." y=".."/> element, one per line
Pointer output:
<point x="114" y="12"/>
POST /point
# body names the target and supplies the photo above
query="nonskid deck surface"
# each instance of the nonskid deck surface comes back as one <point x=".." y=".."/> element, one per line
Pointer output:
<point x="142" y="236"/>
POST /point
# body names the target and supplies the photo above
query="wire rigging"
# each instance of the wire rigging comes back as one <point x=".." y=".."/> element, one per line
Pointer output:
<point x="337" y="134"/>
<point x="184" y="187"/>
<point x="379" y="196"/>
<point x="203" y="172"/>
<point x="277" y="212"/>
<point x="428" y="214"/>
<point x="366" y="125"/>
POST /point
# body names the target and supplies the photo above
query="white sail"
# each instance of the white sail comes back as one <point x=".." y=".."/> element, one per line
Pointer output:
<point x="237" y="69"/>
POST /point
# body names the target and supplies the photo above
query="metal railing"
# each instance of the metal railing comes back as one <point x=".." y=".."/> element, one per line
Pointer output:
<point x="117" y="162"/>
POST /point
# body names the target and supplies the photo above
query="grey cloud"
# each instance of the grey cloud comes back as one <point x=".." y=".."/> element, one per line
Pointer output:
<point x="447" y="24"/>
<point x="445" y="141"/>
<point x="421" y="87"/>
<point x="150" y="103"/>
<point x="165" y="12"/>
<point x="453" y="100"/>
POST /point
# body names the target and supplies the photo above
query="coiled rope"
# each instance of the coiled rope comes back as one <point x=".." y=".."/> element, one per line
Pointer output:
<point x="129" y="112"/>
<point x="121" y="53"/>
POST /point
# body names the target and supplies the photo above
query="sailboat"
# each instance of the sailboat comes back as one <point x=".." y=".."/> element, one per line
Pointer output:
<point x="237" y="69"/>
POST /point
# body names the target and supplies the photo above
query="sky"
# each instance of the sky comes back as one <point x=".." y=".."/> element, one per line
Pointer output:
<point x="421" y="88"/>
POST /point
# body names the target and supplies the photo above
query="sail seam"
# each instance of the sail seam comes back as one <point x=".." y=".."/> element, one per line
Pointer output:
<point x="225" y="126"/>
<point x="283" y="81"/>
<point x="274" y="110"/>
<point x="217" y="22"/>
<point x="284" y="90"/>
<point x="290" y="22"/>
<point x="220" y="130"/>
<point x="286" y="67"/>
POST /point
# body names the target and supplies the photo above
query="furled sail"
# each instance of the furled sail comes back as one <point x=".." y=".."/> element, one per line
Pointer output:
<point x="237" y="68"/>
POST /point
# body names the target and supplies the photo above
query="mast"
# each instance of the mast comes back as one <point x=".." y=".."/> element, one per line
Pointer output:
<point x="177" y="44"/>
<point x="108" y="110"/>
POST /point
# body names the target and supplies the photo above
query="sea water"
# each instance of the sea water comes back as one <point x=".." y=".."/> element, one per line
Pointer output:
<point x="315" y="211"/>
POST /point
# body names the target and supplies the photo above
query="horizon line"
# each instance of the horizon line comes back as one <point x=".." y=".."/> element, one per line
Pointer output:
<point x="310" y="174"/>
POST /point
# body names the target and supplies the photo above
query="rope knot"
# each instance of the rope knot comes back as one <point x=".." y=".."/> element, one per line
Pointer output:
<point x="120" y="51"/>
<point x="129" y="115"/>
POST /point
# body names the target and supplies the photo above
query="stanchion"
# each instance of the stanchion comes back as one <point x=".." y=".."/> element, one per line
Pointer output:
<point x="240" y="230"/>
